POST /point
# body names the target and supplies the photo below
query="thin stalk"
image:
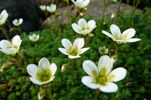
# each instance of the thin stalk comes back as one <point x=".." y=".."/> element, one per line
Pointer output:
<point x="105" y="5"/>
<point x="147" y="15"/>
<point x="19" y="62"/>
<point x="85" y="41"/>
<point x="49" y="90"/>
<point x="133" y="11"/>
<point x="97" y="94"/>
<point x="5" y="33"/>
<point x="118" y="11"/>
<point x="72" y="72"/>
<point x="127" y="5"/>
<point x="19" y="30"/>
<point x="57" y="26"/>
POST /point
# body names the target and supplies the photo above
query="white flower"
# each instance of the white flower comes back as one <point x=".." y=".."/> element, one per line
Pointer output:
<point x="73" y="51"/>
<point x="102" y="77"/>
<point x="103" y="50"/>
<point x="83" y="27"/>
<point x="11" y="48"/>
<point x="17" y="22"/>
<point x="34" y="37"/>
<point x="51" y="8"/>
<point x="43" y="7"/>
<point x="43" y="73"/>
<point x="3" y="17"/>
<point x="125" y="37"/>
<point x="81" y="4"/>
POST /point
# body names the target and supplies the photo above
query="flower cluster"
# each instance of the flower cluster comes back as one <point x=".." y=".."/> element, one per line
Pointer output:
<point x="51" y="8"/>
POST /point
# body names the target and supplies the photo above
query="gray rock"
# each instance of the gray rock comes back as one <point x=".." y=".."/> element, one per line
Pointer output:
<point x="26" y="9"/>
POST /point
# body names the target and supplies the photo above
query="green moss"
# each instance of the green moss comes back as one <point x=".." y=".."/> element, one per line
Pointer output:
<point x="135" y="57"/>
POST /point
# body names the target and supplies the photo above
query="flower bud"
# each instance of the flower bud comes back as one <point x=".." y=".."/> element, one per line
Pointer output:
<point x="103" y="50"/>
<point x="114" y="58"/>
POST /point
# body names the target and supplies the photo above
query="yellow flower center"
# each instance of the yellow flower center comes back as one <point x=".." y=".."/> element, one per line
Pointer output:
<point x="103" y="77"/>
<point x="74" y="51"/>
<point x="44" y="75"/>
<point x="34" y="38"/>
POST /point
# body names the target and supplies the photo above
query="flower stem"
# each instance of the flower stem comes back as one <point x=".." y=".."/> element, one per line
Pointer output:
<point x="118" y="11"/>
<point x="85" y="41"/>
<point x="56" y="18"/>
<point x="146" y="17"/>
<point x="19" y="62"/>
<point x="97" y="94"/>
<point x="5" y="33"/>
<point x="49" y="90"/>
<point x="72" y="72"/>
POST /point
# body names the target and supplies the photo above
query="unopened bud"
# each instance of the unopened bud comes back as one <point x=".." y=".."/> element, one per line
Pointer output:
<point x="81" y="14"/>
<point x="85" y="9"/>
<point x="61" y="26"/>
<point x="77" y="13"/>
<point x="5" y="66"/>
<point x="72" y="7"/>
<point x="91" y="35"/>
<point x="41" y="94"/>
<point x="113" y="15"/>
<point x="114" y="58"/>
<point x="114" y="1"/>
<point x="103" y="50"/>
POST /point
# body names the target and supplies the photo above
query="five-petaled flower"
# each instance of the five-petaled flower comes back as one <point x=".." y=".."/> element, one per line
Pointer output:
<point x="34" y="37"/>
<point x="11" y="48"/>
<point x="81" y="4"/>
<point x="73" y="51"/>
<point x="51" y="8"/>
<point x="102" y="77"/>
<point x="83" y="27"/>
<point x="3" y="17"/>
<point x="43" y="73"/>
<point x="17" y="22"/>
<point x="125" y="37"/>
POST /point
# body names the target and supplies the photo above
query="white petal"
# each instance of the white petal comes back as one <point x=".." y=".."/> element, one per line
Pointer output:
<point x="119" y="74"/>
<point x="76" y="28"/>
<point x="66" y="43"/>
<point x="108" y="34"/>
<point x="79" y="43"/>
<point x="82" y="23"/>
<point x="32" y="70"/>
<point x="129" y="33"/>
<point x="88" y="81"/>
<point x="120" y="41"/>
<point x="5" y="43"/>
<point x="35" y="81"/>
<point x="53" y="68"/>
<point x="86" y="2"/>
<point x="84" y="50"/>
<point x="109" y="88"/>
<point x="115" y="31"/>
<point x="91" y="24"/>
<point x="11" y="51"/>
<point x="106" y="62"/>
<point x="90" y="68"/>
<point x="43" y="63"/>
<point x="20" y="20"/>
<point x="16" y="40"/>
<point x="64" y="51"/>
<point x="133" y="40"/>
<point x="73" y="57"/>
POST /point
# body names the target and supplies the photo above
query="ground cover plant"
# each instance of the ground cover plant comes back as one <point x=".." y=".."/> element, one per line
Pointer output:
<point x="66" y="81"/>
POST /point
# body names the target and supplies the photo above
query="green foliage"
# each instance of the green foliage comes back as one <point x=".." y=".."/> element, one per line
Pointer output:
<point x="135" y="57"/>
